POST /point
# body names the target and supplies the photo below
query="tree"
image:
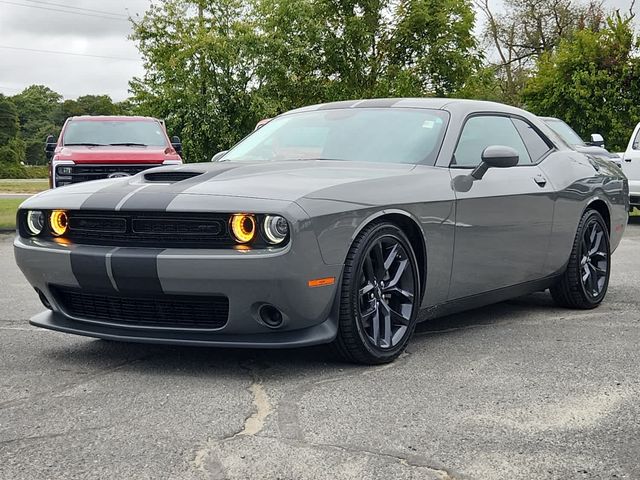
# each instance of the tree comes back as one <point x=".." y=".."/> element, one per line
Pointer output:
<point x="37" y="106"/>
<point x="591" y="81"/>
<point x="216" y="67"/>
<point x="198" y="72"/>
<point x="9" y="122"/>
<point x="527" y="29"/>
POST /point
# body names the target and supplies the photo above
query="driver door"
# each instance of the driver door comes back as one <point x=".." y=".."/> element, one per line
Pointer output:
<point x="503" y="223"/>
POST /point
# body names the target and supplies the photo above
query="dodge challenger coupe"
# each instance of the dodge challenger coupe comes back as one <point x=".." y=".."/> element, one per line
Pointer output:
<point x="343" y="223"/>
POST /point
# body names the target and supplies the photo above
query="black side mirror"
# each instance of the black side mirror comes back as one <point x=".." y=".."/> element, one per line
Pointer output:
<point x="176" y="144"/>
<point x="50" y="146"/>
<point x="495" y="156"/>
<point x="219" y="155"/>
<point x="597" y="140"/>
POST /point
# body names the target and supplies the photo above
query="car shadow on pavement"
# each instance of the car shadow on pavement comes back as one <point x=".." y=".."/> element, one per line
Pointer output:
<point x="91" y="354"/>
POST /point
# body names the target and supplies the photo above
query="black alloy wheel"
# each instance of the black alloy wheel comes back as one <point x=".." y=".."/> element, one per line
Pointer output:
<point x="380" y="296"/>
<point x="584" y="283"/>
<point x="594" y="259"/>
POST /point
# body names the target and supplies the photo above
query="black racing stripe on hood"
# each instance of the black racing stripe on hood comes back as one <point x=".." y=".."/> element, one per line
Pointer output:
<point x="109" y="196"/>
<point x="135" y="271"/>
<point x="89" y="266"/>
<point x="159" y="198"/>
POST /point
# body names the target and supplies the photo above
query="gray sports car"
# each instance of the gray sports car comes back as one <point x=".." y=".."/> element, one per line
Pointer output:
<point x="343" y="223"/>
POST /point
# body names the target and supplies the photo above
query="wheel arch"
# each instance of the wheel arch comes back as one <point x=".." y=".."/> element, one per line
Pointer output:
<point x="410" y="226"/>
<point x="601" y="207"/>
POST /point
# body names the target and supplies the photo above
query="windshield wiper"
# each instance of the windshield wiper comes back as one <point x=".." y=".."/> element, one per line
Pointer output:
<point x="128" y="144"/>
<point x="85" y="144"/>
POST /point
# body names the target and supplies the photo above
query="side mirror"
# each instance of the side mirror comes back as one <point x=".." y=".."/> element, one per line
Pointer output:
<point x="50" y="146"/>
<point x="597" y="140"/>
<point x="219" y="155"/>
<point x="176" y="144"/>
<point x="495" y="156"/>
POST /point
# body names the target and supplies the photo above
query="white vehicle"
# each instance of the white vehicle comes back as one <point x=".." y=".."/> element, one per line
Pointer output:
<point x="631" y="167"/>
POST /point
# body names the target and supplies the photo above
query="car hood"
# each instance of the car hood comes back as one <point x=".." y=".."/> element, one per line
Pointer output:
<point x="281" y="181"/>
<point x="114" y="154"/>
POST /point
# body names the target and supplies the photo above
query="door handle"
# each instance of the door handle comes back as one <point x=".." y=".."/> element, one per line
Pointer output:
<point x="540" y="180"/>
<point x="627" y="160"/>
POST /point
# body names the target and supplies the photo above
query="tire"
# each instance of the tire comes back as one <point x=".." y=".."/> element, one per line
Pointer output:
<point x="379" y="300"/>
<point x="584" y="283"/>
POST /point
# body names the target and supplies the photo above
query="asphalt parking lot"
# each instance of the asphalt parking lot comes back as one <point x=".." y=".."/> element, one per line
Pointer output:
<point x="519" y="390"/>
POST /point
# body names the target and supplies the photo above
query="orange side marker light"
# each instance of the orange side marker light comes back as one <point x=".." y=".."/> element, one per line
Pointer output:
<point x="322" y="282"/>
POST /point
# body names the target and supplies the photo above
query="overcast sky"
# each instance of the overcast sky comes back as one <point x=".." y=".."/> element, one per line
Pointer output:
<point x="87" y="27"/>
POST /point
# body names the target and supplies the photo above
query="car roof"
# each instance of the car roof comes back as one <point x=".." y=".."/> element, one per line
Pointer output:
<point x="551" y="119"/>
<point x="112" y="118"/>
<point x="449" y="104"/>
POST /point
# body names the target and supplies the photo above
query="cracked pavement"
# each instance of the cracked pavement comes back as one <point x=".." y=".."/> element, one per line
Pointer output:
<point x="517" y="390"/>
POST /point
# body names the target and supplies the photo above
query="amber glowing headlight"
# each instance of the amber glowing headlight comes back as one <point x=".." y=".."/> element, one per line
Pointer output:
<point x="58" y="222"/>
<point x="243" y="227"/>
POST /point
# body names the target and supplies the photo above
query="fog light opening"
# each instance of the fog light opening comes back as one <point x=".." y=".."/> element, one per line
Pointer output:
<point x="43" y="299"/>
<point x="271" y="316"/>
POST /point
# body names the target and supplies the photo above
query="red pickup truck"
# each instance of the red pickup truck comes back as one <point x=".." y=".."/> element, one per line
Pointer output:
<point x="95" y="147"/>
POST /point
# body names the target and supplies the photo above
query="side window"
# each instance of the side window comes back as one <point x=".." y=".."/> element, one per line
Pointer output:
<point x="536" y="145"/>
<point x="636" y="141"/>
<point x="483" y="131"/>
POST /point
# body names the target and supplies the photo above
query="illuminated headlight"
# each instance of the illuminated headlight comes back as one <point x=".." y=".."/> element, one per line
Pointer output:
<point x="275" y="229"/>
<point x="59" y="222"/>
<point x="65" y="170"/>
<point x="35" y="222"/>
<point x="243" y="227"/>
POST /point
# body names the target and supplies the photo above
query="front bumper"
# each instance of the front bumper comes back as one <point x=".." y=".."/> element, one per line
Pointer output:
<point x="249" y="279"/>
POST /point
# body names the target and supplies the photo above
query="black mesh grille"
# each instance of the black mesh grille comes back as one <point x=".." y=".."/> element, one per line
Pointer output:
<point x="84" y="172"/>
<point x="149" y="229"/>
<point x="168" y="311"/>
<point x="170" y="177"/>
<point x="635" y="200"/>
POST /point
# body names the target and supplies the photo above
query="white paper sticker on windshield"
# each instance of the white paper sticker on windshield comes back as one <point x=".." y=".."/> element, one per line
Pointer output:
<point x="428" y="124"/>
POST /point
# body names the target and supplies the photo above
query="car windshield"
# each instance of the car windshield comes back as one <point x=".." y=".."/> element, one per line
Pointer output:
<point x="114" y="132"/>
<point x="565" y="131"/>
<point x="384" y="135"/>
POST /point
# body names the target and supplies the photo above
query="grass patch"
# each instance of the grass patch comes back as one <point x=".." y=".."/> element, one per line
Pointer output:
<point x="8" y="208"/>
<point x="23" y="186"/>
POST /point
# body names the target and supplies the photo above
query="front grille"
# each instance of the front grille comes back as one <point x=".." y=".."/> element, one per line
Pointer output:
<point x="635" y="200"/>
<point x="170" y="177"/>
<point x="149" y="229"/>
<point x="85" y="172"/>
<point x="165" y="311"/>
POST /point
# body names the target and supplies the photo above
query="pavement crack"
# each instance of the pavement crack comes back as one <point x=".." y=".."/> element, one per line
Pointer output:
<point x="252" y="425"/>
<point x="412" y="461"/>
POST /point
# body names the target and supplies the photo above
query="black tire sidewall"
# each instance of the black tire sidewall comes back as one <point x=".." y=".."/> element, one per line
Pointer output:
<point x="589" y="217"/>
<point x="382" y="230"/>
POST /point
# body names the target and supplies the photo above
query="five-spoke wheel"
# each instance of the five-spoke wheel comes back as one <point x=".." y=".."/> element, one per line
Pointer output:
<point x="380" y="294"/>
<point x="585" y="281"/>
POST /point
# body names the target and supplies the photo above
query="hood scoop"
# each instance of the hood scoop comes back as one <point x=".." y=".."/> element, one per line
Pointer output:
<point x="170" y="177"/>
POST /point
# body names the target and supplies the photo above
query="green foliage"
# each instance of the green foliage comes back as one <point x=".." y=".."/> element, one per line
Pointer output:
<point x="22" y="171"/>
<point x="591" y="81"/>
<point x="9" y="122"/>
<point x="214" y="68"/>
<point x="14" y="152"/>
